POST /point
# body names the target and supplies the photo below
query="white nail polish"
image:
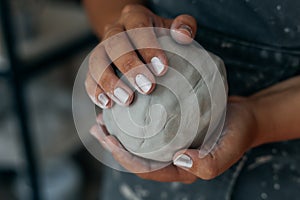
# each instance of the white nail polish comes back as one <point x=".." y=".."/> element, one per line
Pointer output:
<point x="103" y="99"/>
<point x="158" y="66"/>
<point x="183" y="161"/>
<point x="121" y="94"/>
<point x="186" y="29"/>
<point x="143" y="83"/>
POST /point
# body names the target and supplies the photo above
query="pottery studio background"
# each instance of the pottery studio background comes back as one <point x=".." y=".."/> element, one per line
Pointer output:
<point x="42" y="44"/>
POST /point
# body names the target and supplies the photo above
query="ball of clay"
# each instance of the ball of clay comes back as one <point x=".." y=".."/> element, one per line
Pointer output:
<point x="176" y="115"/>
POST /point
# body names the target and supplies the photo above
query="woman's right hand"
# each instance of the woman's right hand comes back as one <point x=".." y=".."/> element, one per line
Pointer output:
<point x="103" y="85"/>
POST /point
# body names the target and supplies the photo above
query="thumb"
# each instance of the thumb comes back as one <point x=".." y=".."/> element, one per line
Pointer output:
<point x="208" y="167"/>
<point x="183" y="29"/>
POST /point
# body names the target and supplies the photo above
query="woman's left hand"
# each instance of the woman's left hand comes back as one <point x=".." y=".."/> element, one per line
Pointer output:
<point x="238" y="136"/>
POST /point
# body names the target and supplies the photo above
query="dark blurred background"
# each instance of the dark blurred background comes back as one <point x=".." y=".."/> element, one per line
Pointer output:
<point x="42" y="44"/>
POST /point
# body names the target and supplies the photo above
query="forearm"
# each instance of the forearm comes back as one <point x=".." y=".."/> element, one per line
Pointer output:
<point x="277" y="111"/>
<point x="103" y="12"/>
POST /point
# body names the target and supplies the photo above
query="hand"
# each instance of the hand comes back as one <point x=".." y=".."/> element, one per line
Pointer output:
<point x="238" y="136"/>
<point x="103" y="85"/>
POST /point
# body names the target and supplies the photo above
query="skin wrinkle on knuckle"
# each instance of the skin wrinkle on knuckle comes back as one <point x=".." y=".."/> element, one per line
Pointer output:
<point x="107" y="83"/>
<point x="137" y="20"/>
<point x="103" y="78"/>
<point x="130" y="62"/>
<point x="148" y="54"/>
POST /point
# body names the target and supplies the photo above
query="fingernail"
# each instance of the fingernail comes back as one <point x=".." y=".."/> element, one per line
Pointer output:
<point x="103" y="100"/>
<point x="143" y="83"/>
<point x="183" y="161"/>
<point x="158" y="66"/>
<point x="187" y="29"/>
<point x="121" y="94"/>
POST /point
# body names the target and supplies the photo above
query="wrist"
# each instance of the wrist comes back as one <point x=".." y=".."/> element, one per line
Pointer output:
<point x="263" y="120"/>
<point x="257" y="139"/>
<point x="248" y="124"/>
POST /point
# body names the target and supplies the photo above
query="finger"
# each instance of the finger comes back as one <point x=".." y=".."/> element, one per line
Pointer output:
<point x="183" y="29"/>
<point x="104" y="76"/>
<point x="96" y="94"/>
<point x="100" y="122"/>
<point x="169" y="173"/>
<point x="99" y="133"/>
<point x="129" y="64"/>
<point x="127" y="160"/>
<point x="212" y="165"/>
<point x="144" y="168"/>
<point x="99" y="119"/>
<point x="139" y="26"/>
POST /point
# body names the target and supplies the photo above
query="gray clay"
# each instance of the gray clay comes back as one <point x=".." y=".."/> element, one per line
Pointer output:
<point x="149" y="126"/>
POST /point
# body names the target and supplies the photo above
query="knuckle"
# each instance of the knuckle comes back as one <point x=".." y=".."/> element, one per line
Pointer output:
<point x="116" y="44"/>
<point x="97" y="56"/>
<point x="130" y="61"/>
<point x="107" y="27"/>
<point x="148" y="54"/>
<point x="137" y="20"/>
<point x="93" y="56"/>
<point x="105" y="82"/>
<point x="97" y="62"/>
<point x="128" y="8"/>
<point x="112" y="30"/>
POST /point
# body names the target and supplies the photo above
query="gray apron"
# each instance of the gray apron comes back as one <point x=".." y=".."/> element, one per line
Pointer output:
<point x="259" y="42"/>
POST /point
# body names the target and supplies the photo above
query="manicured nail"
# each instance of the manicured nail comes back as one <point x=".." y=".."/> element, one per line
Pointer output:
<point x="183" y="161"/>
<point x="103" y="100"/>
<point x="186" y="29"/>
<point x="143" y="83"/>
<point x="158" y="66"/>
<point x="121" y="94"/>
